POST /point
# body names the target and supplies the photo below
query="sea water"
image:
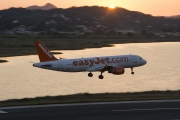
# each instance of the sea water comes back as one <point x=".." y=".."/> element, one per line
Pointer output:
<point x="19" y="79"/>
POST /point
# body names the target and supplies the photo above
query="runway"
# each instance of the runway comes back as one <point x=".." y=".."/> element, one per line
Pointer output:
<point x="138" y="110"/>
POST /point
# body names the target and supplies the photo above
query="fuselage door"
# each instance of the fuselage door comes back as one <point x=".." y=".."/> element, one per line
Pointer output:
<point x="134" y="59"/>
<point x="61" y="65"/>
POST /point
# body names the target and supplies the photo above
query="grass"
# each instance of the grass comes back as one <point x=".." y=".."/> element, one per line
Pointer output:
<point x="86" y="97"/>
<point x="25" y="46"/>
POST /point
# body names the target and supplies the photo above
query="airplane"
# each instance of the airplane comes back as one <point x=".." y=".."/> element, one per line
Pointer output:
<point x="112" y="64"/>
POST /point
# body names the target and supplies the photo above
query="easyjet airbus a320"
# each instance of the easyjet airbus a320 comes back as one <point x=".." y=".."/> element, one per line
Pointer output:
<point x="113" y="64"/>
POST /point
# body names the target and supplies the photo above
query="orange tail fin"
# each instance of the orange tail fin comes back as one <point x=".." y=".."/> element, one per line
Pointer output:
<point x="43" y="52"/>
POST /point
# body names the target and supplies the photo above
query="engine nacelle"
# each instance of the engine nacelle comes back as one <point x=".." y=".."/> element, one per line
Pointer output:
<point x="117" y="70"/>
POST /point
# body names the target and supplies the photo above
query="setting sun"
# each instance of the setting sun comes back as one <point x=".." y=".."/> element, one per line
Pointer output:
<point x="112" y="6"/>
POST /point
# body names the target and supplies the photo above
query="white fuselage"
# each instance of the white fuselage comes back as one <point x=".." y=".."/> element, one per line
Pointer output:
<point x="87" y="64"/>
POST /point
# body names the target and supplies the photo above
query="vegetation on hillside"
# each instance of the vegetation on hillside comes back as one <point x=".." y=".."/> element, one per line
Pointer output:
<point x="89" y="20"/>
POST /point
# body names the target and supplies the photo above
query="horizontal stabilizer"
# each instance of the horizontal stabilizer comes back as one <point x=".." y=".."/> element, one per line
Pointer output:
<point x="48" y="65"/>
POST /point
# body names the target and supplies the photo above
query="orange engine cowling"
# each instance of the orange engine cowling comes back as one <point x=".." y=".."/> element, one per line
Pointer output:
<point x="117" y="70"/>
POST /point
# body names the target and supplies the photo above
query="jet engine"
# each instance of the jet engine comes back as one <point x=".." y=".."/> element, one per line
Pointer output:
<point x="116" y="70"/>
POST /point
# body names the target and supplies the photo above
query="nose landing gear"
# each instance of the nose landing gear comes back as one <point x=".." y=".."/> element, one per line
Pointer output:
<point x="132" y="71"/>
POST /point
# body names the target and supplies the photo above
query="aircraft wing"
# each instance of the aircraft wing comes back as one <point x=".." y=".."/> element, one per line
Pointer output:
<point x="96" y="68"/>
<point x="100" y="67"/>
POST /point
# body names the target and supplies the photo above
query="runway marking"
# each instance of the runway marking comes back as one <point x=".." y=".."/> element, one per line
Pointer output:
<point x="153" y="109"/>
<point x="83" y="104"/>
<point x="1" y="112"/>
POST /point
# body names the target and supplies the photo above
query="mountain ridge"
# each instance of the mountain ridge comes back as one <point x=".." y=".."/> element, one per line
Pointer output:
<point x="95" y="19"/>
<point x="47" y="6"/>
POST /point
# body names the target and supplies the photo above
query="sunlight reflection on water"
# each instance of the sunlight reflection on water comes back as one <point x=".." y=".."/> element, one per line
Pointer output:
<point x="18" y="79"/>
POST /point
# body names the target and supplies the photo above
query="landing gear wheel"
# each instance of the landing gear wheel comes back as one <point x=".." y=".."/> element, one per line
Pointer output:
<point x="132" y="71"/>
<point x="101" y="76"/>
<point x="90" y="74"/>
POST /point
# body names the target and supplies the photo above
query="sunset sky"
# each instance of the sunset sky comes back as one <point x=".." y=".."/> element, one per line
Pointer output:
<point x="153" y="7"/>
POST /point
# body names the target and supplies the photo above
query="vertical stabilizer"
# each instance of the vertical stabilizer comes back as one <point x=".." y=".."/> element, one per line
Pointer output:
<point x="43" y="52"/>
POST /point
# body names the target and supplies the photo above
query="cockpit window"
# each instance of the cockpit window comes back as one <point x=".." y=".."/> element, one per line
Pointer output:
<point x="140" y="58"/>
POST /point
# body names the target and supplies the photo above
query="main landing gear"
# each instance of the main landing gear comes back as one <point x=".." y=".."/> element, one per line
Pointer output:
<point x="90" y="74"/>
<point x="100" y="76"/>
<point x="132" y="71"/>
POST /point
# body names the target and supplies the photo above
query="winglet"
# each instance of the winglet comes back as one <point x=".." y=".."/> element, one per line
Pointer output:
<point x="43" y="52"/>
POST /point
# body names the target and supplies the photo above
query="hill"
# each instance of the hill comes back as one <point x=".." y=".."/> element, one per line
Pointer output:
<point x="93" y="20"/>
<point x="175" y="17"/>
<point x="48" y="6"/>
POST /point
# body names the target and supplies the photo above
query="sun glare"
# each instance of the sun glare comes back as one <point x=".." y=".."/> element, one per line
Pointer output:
<point x="112" y="6"/>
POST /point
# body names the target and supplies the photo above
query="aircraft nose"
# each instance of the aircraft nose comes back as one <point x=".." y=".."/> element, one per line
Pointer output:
<point x="145" y="62"/>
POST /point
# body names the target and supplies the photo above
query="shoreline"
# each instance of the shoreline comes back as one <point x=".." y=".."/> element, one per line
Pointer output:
<point x="19" y="47"/>
<point x="3" y="61"/>
<point x="89" y="98"/>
